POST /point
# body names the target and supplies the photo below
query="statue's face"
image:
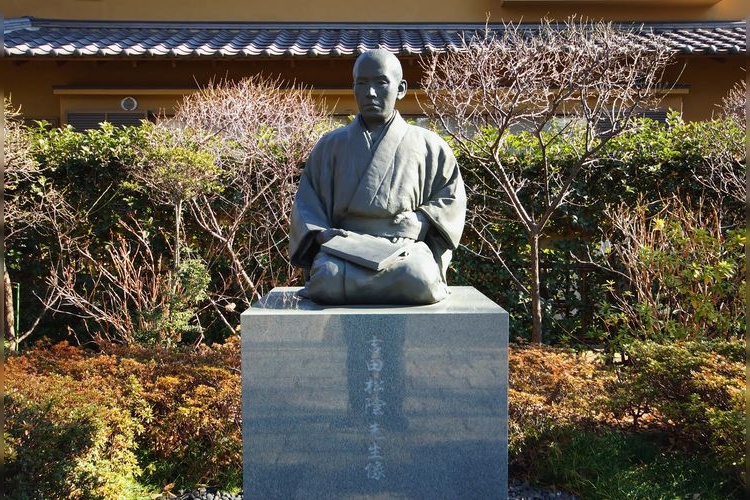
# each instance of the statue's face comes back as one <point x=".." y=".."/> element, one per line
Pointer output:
<point x="377" y="86"/>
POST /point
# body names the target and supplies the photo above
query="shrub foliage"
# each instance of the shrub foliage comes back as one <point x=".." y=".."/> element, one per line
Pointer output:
<point x="662" y="167"/>
<point x="90" y="424"/>
<point x="69" y="431"/>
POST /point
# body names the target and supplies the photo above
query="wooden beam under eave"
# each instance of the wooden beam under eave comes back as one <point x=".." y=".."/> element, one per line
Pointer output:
<point x="640" y="3"/>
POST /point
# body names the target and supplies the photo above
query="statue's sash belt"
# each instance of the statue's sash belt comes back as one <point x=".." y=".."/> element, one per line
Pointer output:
<point x="385" y="228"/>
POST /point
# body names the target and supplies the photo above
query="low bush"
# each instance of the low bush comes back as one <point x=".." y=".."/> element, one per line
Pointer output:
<point x="692" y="392"/>
<point x="668" y="422"/>
<point x="67" y="436"/>
<point x="87" y="425"/>
<point x="195" y="400"/>
<point x="550" y="388"/>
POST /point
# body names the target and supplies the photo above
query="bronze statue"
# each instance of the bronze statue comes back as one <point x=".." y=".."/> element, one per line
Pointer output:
<point x="381" y="203"/>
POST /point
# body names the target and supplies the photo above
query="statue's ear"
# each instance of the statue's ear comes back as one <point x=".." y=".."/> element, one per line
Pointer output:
<point x="401" y="89"/>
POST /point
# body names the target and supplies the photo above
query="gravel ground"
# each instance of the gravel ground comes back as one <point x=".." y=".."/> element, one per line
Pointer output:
<point x="517" y="490"/>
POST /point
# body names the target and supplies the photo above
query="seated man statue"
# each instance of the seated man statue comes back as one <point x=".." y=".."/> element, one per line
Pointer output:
<point x="382" y="177"/>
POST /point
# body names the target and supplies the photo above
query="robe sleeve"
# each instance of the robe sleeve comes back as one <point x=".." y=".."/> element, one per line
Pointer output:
<point x="309" y="212"/>
<point x="445" y="205"/>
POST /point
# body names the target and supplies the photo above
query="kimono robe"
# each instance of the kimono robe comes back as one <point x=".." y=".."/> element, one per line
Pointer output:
<point x="353" y="183"/>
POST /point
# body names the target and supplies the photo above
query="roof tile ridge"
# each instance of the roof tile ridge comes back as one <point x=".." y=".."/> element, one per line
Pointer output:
<point x="31" y="21"/>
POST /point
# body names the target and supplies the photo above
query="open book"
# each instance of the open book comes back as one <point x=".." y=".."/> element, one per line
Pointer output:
<point x="365" y="250"/>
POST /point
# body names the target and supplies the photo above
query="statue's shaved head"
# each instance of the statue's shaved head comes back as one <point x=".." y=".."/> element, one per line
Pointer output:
<point x="384" y="57"/>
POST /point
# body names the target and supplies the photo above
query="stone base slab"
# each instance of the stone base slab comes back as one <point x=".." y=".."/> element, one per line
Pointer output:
<point x="375" y="401"/>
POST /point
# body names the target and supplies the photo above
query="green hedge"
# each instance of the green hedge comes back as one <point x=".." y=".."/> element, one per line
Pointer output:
<point x="647" y="165"/>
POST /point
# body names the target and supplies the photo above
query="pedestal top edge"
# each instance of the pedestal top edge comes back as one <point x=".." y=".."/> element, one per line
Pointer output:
<point x="462" y="299"/>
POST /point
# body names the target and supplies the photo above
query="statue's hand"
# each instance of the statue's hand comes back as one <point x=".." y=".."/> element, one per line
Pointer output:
<point x="412" y="223"/>
<point x="327" y="234"/>
<point x="406" y="216"/>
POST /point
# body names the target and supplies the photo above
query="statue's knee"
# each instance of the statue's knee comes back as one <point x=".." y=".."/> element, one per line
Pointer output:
<point x="325" y="270"/>
<point x="326" y="283"/>
<point x="422" y="284"/>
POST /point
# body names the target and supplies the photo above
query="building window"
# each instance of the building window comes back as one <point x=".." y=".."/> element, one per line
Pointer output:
<point x="88" y="120"/>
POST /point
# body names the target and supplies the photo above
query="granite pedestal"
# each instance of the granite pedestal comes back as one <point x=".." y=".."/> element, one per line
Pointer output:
<point x="375" y="401"/>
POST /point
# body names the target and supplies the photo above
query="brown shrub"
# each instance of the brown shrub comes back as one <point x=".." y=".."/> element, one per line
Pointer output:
<point x="550" y="390"/>
<point x="179" y="410"/>
<point x="68" y="436"/>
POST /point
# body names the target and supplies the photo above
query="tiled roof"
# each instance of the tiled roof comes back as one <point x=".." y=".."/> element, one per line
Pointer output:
<point x="31" y="37"/>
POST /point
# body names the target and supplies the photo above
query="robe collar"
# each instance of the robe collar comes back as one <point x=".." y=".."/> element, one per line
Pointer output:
<point x="373" y="139"/>
<point x="375" y="179"/>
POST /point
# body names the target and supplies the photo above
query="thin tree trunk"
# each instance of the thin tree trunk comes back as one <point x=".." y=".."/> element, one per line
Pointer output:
<point x="536" y="300"/>
<point x="177" y="224"/>
<point x="9" y="311"/>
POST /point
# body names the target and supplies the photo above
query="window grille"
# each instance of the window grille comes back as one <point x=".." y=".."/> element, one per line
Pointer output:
<point x="86" y="121"/>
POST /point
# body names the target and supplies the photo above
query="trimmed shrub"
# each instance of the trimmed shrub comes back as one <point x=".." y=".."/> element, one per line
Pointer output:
<point x="67" y="436"/>
<point x="638" y="430"/>
<point x="670" y="419"/>
<point x="692" y="391"/>
<point x="90" y="423"/>
<point x="549" y="390"/>
<point x="195" y="400"/>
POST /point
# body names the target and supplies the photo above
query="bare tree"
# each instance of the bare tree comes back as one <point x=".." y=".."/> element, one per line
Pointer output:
<point x="175" y="167"/>
<point x="734" y="104"/>
<point x="572" y="85"/>
<point x="725" y="163"/>
<point x="31" y="205"/>
<point x="260" y="134"/>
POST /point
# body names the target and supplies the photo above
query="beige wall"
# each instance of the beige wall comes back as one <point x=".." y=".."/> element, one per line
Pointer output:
<point x="47" y="89"/>
<point x="710" y="79"/>
<point x="376" y="11"/>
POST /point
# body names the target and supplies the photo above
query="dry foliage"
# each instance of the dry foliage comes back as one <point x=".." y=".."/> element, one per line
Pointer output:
<point x="590" y="71"/>
<point x="31" y="205"/>
<point x="260" y="135"/>
<point x="572" y="86"/>
<point x="30" y="202"/>
<point x="118" y="286"/>
<point x="726" y="164"/>
<point x="684" y="277"/>
<point x="551" y="390"/>
<point x="566" y="385"/>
